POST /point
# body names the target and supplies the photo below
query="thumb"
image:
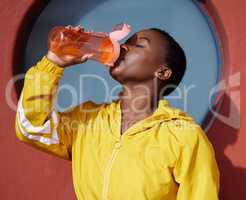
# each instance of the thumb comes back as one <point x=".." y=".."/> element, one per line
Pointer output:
<point x="86" y="57"/>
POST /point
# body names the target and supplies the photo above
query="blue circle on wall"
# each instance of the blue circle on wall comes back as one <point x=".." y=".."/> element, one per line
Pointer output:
<point x="91" y="80"/>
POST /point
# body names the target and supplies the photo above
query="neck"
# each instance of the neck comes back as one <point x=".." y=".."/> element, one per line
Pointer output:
<point x="138" y="100"/>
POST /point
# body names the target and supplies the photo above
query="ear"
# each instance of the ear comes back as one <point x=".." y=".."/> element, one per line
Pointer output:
<point x="163" y="73"/>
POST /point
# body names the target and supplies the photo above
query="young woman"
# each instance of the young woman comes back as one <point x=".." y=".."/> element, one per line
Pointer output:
<point x="136" y="148"/>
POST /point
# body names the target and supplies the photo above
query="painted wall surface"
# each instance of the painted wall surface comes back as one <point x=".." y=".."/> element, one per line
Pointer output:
<point x="29" y="174"/>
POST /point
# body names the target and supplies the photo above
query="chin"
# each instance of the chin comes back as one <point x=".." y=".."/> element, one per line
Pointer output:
<point x="121" y="73"/>
<point x="117" y="72"/>
<point x="116" y="77"/>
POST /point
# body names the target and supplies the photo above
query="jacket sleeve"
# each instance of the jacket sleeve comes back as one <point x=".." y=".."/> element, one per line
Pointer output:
<point x="37" y="122"/>
<point x="196" y="169"/>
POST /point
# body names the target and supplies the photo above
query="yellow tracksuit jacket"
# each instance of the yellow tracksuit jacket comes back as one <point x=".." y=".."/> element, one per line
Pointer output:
<point x="165" y="156"/>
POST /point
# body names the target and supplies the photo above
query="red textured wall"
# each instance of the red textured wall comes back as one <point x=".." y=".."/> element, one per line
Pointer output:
<point x="27" y="174"/>
<point x="229" y="143"/>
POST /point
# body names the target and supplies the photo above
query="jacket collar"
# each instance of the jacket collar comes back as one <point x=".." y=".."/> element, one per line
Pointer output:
<point x="164" y="112"/>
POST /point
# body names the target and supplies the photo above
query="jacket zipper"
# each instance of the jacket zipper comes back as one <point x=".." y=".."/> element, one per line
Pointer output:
<point x="109" y="169"/>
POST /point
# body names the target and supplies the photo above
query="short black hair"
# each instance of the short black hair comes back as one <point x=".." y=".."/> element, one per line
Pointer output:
<point x="175" y="59"/>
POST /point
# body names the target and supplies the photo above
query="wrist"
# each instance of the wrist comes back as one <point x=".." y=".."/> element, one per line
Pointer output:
<point x="55" y="59"/>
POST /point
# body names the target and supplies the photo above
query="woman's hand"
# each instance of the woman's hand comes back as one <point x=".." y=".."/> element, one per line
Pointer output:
<point x="66" y="61"/>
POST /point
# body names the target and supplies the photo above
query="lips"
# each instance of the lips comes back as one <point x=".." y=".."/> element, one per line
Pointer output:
<point x="121" y="57"/>
<point x="118" y="61"/>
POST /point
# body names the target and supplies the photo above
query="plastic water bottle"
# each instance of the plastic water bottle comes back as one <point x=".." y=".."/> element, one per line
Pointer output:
<point x="104" y="47"/>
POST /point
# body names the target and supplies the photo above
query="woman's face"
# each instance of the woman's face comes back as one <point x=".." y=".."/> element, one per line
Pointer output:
<point x="140" y="57"/>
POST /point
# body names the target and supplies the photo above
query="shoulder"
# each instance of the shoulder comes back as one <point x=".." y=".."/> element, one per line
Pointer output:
<point x="191" y="136"/>
<point x="92" y="107"/>
<point x="86" y="109"/>
<point x="184" y="129"/>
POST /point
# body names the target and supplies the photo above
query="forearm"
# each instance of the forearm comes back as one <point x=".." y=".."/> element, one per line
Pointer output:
<point x="40" y="88"/>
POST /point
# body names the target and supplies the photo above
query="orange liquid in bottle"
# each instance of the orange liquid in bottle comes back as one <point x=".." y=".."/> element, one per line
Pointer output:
<point x="68" y="42"/>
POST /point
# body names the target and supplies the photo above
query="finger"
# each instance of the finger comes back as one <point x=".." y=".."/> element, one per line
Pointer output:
<point x="81" y="27"/>
<point x="83" y="59"/>
<point x="68" y="57"/>
<point x="78" y="28"/>
<point x="68" y="27"/>
<point x="86" y="57"/>
<point x="89" y="55"/>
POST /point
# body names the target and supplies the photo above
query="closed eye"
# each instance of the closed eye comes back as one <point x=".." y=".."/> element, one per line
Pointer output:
<point x="139" y="45"/>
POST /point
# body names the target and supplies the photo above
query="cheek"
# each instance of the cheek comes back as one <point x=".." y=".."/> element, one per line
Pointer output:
<point x="140" y="67"/>
<point x="138" y="60"/>
<point x="141" y="61"/>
